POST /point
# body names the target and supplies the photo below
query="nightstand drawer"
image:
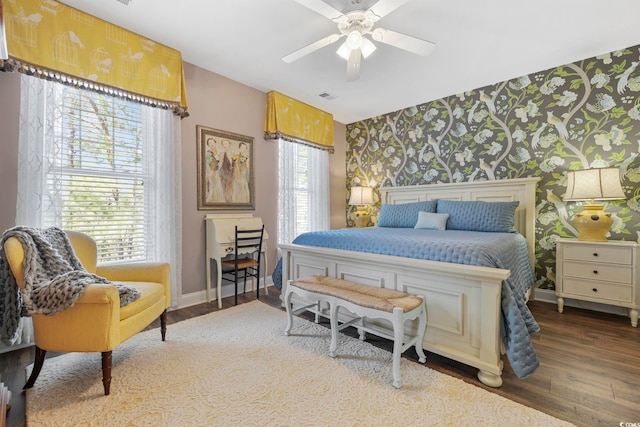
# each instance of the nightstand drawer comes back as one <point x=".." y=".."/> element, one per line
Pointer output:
<point x="610" y="254"/>
<point x="594" y="289"/>
<point x="597" y="271"/>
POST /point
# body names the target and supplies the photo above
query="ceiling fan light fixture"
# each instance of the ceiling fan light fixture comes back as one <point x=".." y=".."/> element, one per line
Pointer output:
<point x="344" y="51"/>
<point x="367" y="47"/>
<point x="354" y="39"/>
<point x="355" y="25"/>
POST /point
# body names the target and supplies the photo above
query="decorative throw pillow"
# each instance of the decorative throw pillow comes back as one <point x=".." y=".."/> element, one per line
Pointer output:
<point x="432" y="221"/>
<point x="403" y="215"/>
<point x="479" y="215"/>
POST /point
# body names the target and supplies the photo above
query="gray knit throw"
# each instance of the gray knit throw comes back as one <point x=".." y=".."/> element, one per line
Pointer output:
<point x="54" y="279"/>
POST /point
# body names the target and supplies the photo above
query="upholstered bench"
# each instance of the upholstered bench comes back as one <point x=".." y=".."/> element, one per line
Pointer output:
<point x="365" y="302"/>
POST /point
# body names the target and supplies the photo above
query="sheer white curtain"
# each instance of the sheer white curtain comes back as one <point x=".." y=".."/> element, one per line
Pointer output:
<point x="36" y="126"/>
<point x="163" y="133"/>
<point x="38" y="205"/>
<point x="303" y="193"/>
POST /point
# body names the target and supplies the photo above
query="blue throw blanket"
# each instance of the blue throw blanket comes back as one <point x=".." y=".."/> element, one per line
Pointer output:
<point x="496" y="250"/>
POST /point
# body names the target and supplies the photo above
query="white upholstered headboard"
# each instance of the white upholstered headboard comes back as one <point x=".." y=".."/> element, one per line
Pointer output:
<point x="504" y="190"/>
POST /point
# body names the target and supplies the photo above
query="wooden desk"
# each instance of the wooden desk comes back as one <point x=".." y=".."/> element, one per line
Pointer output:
<point x="220" y="237"/>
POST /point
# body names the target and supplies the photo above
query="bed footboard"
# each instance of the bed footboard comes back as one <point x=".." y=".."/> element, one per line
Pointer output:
<point x="463" y="302"/>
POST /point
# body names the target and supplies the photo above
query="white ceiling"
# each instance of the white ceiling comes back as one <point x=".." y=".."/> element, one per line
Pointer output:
<point x="478" y="42"/>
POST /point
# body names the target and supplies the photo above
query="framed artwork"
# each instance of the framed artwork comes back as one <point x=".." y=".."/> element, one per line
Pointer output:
<point x="225" y="170"/>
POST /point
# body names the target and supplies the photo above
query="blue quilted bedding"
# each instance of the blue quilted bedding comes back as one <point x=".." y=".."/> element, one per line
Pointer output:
<point x="496" y="250"/>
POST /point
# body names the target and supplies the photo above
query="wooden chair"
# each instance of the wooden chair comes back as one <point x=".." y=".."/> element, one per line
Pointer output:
<point x="245" y="259"/>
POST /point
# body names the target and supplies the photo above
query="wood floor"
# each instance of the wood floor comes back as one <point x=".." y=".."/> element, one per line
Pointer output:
<point x="589" y="373"/>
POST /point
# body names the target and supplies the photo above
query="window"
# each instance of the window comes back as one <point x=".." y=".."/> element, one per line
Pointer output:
<point x="98" y="172"/>
<point x="303" y="194"/>
<point x="102" y="165"/>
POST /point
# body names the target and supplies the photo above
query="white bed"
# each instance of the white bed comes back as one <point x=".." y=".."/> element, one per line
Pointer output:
<point x="463" y="302"/>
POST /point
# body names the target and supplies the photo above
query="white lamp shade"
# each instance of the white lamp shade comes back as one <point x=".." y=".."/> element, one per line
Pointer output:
<point x="354" y="39"/>
<point x="594" y="184"/>
<point x="367" y="48"/>
<point x="361" y="196"/>
<point x="344" y="51"/>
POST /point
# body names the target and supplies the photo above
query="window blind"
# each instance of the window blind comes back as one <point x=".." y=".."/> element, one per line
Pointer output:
<point x="303" y="191"/>
<point x="98" y="174"/>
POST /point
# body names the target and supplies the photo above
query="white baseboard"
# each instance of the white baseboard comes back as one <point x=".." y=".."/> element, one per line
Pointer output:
<point x="544" y="295"/>
<point x="8" y="348"/>
<point x="200" y="297"/>
<point x="549" y="296"/>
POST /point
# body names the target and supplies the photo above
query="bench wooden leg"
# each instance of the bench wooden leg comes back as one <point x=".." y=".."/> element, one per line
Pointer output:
<point x="316" y="317"/>
<point x="333" y="319"/>
<point x="362" y="334"/>
<point x="308" y="296"/>
<point x="422" y="329"/>
<point x="398" y="338"/>
<point x="287" y="304"/>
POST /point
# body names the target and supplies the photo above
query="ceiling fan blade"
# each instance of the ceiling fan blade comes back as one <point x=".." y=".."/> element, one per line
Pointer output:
<point x="323" y="9"/>
<point x="383" y="8"/>
<point x="353" y="65"/>
<point x="311" y="48"/>
<point x="403" y="41"/>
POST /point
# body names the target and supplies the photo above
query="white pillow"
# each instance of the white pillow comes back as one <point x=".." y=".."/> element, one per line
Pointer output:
<point x="432" y="221"/>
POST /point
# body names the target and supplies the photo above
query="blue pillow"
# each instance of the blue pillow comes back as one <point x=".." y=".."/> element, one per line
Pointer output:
<point x="497" y="217"/>
<point x="404" y="215"/>
<point x="432" y="221"/>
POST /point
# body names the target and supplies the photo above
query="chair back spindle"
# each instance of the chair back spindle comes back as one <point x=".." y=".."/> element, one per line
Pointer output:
<point x="248" y="243"/>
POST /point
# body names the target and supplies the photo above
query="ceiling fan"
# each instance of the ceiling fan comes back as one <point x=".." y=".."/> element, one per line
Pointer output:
<point x="355" y="26"/>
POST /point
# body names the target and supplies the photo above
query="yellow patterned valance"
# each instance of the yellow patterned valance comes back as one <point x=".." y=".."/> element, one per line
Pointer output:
<point x="55" y="41"/>
<point x="296" y="121"/>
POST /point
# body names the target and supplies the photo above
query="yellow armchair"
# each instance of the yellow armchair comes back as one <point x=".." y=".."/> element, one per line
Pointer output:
<point x="97" y="323"/>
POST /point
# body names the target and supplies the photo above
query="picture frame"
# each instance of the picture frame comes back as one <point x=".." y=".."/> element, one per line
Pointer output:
<point x="225" y="170"/>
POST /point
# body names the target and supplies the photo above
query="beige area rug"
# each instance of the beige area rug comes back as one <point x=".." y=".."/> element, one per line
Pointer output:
<point x="236" y="367"/>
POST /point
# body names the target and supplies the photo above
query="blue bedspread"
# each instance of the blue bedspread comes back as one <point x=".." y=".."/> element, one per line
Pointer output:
<point x="497" y="250"/>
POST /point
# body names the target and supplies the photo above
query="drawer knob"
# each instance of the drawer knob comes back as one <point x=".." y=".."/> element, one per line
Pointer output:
<point x="595" y="289"/>
<point x="595" y="254"/>
<point x="595" y="271"/>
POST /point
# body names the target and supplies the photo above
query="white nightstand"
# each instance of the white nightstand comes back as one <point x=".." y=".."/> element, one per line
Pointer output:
<point x="602" y="272"/>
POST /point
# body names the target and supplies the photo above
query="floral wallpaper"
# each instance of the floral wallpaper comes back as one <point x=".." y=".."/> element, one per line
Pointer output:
<point x="575" y="116"/>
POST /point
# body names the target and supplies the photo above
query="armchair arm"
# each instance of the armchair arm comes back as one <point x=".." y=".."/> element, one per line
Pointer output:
<point x="92" y="324"/>
<point x="100" y="293"/>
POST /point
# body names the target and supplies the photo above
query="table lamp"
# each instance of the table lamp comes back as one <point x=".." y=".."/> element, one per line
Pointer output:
<point x="593" y="223"/>
<point x="361" y="197"/>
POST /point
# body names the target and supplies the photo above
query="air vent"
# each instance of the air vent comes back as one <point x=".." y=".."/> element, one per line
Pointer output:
<point x="125" y="2"/>
<point x="327" y="96"/>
